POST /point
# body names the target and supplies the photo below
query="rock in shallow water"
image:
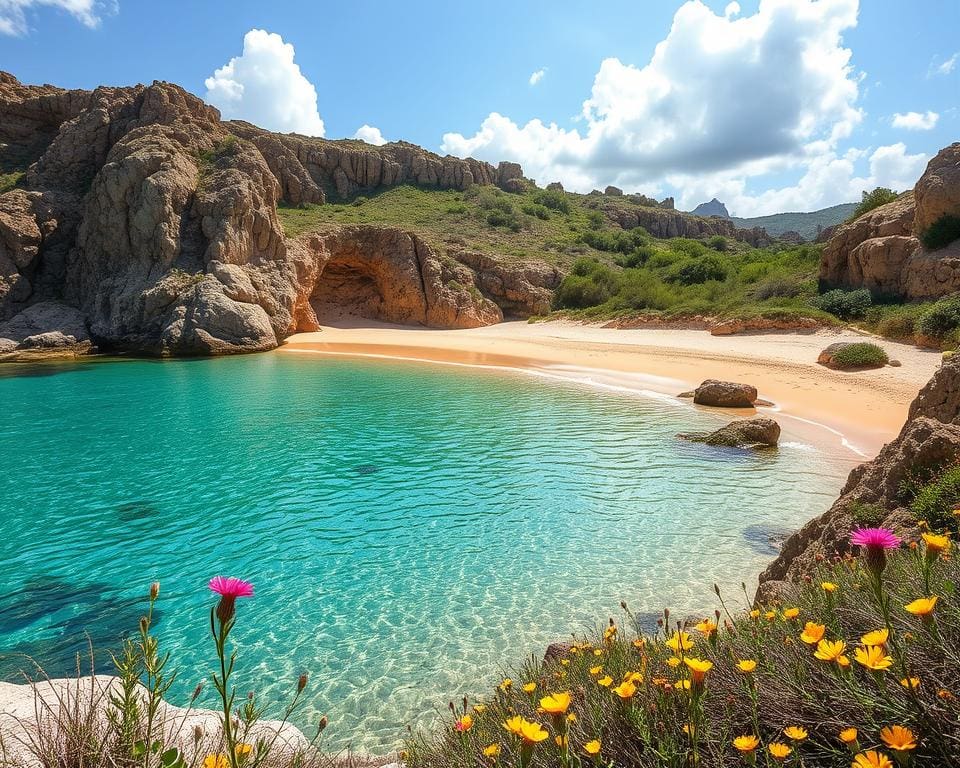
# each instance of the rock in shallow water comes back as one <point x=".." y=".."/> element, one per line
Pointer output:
<point x="725" y="394"/>
<point x="750" y="433"/>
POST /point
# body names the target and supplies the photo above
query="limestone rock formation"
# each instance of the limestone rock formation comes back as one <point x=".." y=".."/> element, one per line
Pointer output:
<point x="157" y="224"/>
<point x="745" y="433"/>
<point x="929" y="439"/>
<point x="665" y="222"/>
<point x="881" y="250"/>
<point x="725" y="394"/>
<point x="713" y="208"/>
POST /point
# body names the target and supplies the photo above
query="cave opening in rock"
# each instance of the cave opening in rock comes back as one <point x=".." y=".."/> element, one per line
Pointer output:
<point x="346" y="290"/>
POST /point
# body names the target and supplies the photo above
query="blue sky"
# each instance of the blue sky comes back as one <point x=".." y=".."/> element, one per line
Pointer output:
<point x="773" y="105"/>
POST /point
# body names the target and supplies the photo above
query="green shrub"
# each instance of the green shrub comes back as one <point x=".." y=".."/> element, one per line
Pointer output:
<point x="942" y="318"/>
<point x="718" y="243"/>
<point x="534" y="209"/>
<point x="942" y="232"/>
<point x="862" y="354"/>
<point x="867" y="515"/>
<point x="359" y="200"/>
<point x="638" y="257"/>
<point x="778" y="286"/>
<point x="897" y="322"/>
<point x="501" y="218"/>
<point x="870" y="200"/>
<point x="846" y="305"/>
<point x="456" y="208"/>
<point x="615" y="240"/>
<point x="936" y="502"/>
<point x="697" y="271"/>
<point x="596" y="220"/>
<point x="553" y="199"/>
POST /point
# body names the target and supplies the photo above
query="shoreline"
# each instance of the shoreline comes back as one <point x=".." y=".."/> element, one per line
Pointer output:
<point x="856" y="412"/>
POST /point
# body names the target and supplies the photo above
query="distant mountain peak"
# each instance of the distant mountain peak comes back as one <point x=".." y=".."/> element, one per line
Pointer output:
<point x="713" y="208"/>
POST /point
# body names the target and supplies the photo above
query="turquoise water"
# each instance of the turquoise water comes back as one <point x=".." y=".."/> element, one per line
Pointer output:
<point x="409" y="527"/>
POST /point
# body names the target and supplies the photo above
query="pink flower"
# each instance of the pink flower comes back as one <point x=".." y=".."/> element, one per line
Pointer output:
<point x="875" y="541"/>
<point x="229" y="588"/>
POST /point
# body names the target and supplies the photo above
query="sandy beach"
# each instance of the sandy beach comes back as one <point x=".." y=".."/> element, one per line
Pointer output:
<point x="858" y="411"/>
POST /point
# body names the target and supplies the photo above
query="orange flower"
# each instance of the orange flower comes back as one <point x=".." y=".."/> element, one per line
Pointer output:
<point x="706" y="626"/>
<point x="827" y="650"/>
<point x="464" y="724"/>
<point x="625" y="690"/>
<point x="555" y="703"/>
<point x="795" y="732"/>
<point x="872" y="759"/>
<point x="779" y="751"/>
<point x="698" y="668"/>
<point x="746" y="666"/>
<point x="848" y="736"/>
<point x="936" y="545"/>
<point x="592" y="747"/>
<point x="873" y="657"/>
<point x="529" y="732"/>
<point x="812" y="633"/>
<point x="746" y="744"/>
<point x="680" y="642"/>
<point x="898" y="738"/>
<point x="877" y="637"/>
<point x="791" y="613"/>
<point x="911" y="683"/>
<point x="922" y="607"/>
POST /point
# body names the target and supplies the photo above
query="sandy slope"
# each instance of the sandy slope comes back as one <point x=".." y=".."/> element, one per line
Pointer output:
<point x="867" y="408"/>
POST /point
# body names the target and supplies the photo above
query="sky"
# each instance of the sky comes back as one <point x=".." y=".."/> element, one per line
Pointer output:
<point x="767" y="105"/>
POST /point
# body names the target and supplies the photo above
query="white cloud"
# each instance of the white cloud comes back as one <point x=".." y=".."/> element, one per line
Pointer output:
<point x="945" y="67"/>
<point x="537" y="76"/>
<point x="13" y="18"/>
<point x="732" y="9"/>
<point x="915" y="121"/>
<point x="739" y="95"/>
<point x="265" y="86"/>
<point x="827" y="179"/>
<point x="370" y="134"/>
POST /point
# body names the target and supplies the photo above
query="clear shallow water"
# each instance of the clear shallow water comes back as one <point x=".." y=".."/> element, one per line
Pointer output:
<point x="409" y="528"/>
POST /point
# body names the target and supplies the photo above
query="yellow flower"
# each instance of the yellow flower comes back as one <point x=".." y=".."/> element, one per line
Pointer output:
<point x="491" y="750"/>
<point x="746" y="666"/>
<point x="828" y="586"/>
<point x="531" y="733"/>
<point x="795" y="732"/>
<point x="479" y="708"/>
<point x="936" y="544"/>
<point x="873" y="657"/>
<point x="596" y="670"/>
<point x="698" y="668"/>
<point x="913" y="682"/>
<point x="673" y="662"/>
<point x="215" y="761"/>
<point x="754" y="614"/>
<point x="609" y="632"/>
<point x="555" y="703"/>
<point x="877" y="637"/>
<point x="770" y="615"/>
<point x="529" y="687"/>
<point x="843" y="661"/>
<point x="506" y="684"/>
<point x="597" y="652"/>
<point x="464" y="724"/>
<point x="746" y="744"/>
<point x="625" y="690"/>
<point x="561" y="741"/>
<point x="778" y="750"/>
<point x="706" y="626"/>
<point x="571" y="718"/>
<point x="242" y="750"/>
<point x="922" y="607"/>
<point x="605" y="681"/>
<point x="848" y="735"/>
<point x="565" y="662"/>
<point x="898" y="738"/>
<point x="872" y="759"/>
<point x="682" y="685"/>
<point x="639" y="643"/>
<point x="828" y="650"/>
<point x="812" y="633"/>
<point x="592" y="747"/>
<point x="791" y="613"/>
<point x="680" y="642"/>
<point x="633" y="677"/>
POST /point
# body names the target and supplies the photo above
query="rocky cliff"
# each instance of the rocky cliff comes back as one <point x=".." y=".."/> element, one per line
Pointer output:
<point x="712" y="208"/>
<point x="139" y="220"/>
<point x="882" y="251"/>
<point x="876" y="492"/>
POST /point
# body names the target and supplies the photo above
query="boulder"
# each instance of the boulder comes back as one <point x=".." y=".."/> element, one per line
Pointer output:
<point x="828" y="356"/>
<point x="725" y="394"/>
<point x="747" y="433"/>
<point x="612" y="191"/>
<point x="937" y="193"/>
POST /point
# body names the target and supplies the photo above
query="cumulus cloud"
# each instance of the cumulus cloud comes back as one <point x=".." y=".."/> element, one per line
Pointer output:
<point x="915" y="121"/>
<point x="370" y="134"/>
<point x="537" y="76"/>
<point x="720" y="93"/>
<point x="732" y="9"/>
<point x="264" y="85"/>
<point x="13" y="16"/>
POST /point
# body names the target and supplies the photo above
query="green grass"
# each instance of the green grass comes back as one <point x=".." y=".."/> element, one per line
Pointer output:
<point x="9" y="181"/>
<point x="863" y="354"/>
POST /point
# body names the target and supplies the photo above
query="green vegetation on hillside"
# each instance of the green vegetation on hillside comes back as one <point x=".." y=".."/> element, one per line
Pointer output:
<point x="870" y="200"/>
<point x="9" y="181"/>
<point x="863" y="354"/>
<point x="808" y="225"/>
<point x="942" y="232"/>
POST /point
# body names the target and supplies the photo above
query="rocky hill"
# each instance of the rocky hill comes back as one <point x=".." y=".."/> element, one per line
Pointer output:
<point x="883" y="249"/>
<point x="713" y="208"/>
<point x="135" y="219"/>
<point x="808" y="225"/>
